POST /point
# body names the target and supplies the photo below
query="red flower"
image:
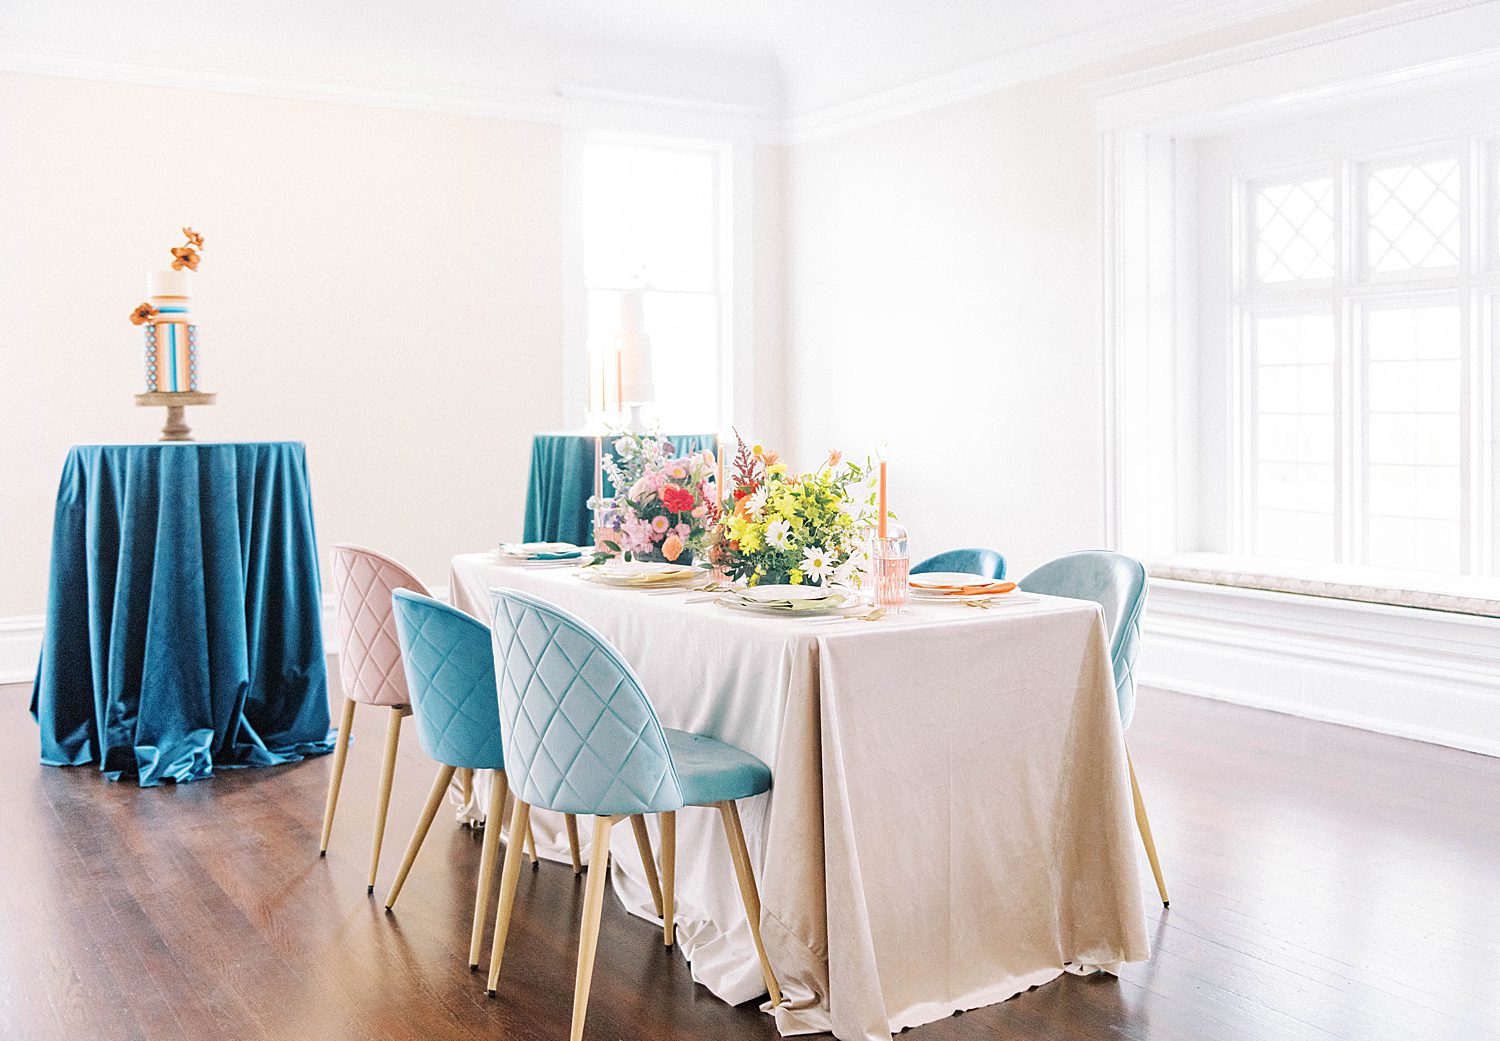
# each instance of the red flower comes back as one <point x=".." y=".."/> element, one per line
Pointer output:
<point x="677" y="499"/>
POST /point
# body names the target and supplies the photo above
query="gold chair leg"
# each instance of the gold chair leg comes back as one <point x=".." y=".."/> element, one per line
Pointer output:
<point x="668" y="876"/>
<point x="588" y="935"/>
<point x="434" y="800"/>
<point x="387" y="775"/>
<point x="571" y="822"/>
<point x="648" y="859"/>
<point x="489" y="849"/>
<point x="340" y="753"/>
<point x="1145" y="828"/>
<point x="740" y="854"/>
<point x="520" y="821"/>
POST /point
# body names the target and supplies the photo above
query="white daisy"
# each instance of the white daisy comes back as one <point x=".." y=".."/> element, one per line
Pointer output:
<point x="756" y="502"/>
<point x="779" y="534"/>
<point x="816" y="563"/>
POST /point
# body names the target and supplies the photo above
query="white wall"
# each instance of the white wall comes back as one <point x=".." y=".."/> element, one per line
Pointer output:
<point x="385" y="286"/>
<point x="944" y="296"/>
<point x="944" y="293"/>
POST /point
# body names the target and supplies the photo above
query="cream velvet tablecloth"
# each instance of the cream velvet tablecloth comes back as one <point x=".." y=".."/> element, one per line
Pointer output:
<point x="950" y="822"/>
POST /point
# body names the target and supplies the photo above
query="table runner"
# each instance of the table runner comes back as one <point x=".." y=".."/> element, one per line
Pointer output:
<point x="183" y="627"/>
<point x="950" y="821"/>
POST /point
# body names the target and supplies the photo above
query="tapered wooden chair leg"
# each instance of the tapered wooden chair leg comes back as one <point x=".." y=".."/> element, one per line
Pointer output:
<point x="648" y="859"/>
<point x="520" y="821"/>
<point x="1145" y="828"/>
<point x="571" y="823"/>
<point x="434" y="800"/>
<point x="387" y="776"/>
<point x="465" y="786"/>
<point x="340" y="753"/>
<point x="668" y="876"/>
<point x="588" y="934"/>
<point x="487" y="866"/>
<point x="740" y="854"/>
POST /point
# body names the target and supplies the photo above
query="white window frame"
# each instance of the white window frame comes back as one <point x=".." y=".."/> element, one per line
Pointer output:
<point x="1149" y="124"/>
<point x="1348" y="296"/>
<point x="731" y="258"/>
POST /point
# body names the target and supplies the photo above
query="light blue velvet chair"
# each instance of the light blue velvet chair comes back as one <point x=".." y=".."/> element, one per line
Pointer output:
<point x="581" y="737"/>
<point x="1118" y="584"/>
<point x="986" y="562"/>
<point x="450" y="673"/>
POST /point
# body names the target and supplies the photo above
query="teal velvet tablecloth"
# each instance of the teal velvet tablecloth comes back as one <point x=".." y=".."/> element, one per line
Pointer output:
<point x="562" y="479"/>
<point x="183" y="628"/>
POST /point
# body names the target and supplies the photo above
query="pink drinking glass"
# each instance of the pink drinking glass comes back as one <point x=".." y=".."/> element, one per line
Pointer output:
<point x="891" y="563"/>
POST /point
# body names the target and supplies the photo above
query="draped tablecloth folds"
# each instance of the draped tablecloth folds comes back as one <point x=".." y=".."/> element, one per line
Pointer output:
<point x="183" y="627"/>
<point x="950" y="822"/>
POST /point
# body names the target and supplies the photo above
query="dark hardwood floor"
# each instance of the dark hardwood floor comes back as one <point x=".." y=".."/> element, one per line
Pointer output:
<point x="1326" y="883"/>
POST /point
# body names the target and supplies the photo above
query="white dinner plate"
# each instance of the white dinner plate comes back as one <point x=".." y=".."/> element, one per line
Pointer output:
<point x="763" y="594"/>
<point x="947" y="578"/>
<point x="813" y="609"/>
<point x="642" y="574"/>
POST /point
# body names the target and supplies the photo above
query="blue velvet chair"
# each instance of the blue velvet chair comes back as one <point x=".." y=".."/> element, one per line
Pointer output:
<point x="1118" y="584"/>
<point x="450" y="673"/>
<point x="984" y="562"/>
<point x="581" y="737"/>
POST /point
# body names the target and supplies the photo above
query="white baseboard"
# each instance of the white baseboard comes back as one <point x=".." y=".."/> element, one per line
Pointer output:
<point x="21" y="640"/>
<point x="1418" y="674"/>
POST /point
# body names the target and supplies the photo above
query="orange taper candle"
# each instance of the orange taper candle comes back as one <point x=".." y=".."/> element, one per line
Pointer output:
<point x="719" y="470"/>
<point x="881" y="528"/>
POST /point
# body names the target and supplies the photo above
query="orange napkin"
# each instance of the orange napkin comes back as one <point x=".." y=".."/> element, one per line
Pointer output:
<point x="976" y="589"/>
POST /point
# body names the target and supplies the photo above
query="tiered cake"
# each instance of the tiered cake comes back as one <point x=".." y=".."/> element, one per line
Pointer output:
<point x="171" y="338"/>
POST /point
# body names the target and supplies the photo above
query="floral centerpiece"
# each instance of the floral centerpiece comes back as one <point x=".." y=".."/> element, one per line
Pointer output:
<point x="663" y="507"/>
<point x="788" y="528"/>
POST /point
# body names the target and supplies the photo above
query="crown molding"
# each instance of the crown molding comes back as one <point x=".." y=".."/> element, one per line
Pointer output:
<point x="1284" y="43"/>
<point x="494" y="104"/>
<point x="1023" y="65"/>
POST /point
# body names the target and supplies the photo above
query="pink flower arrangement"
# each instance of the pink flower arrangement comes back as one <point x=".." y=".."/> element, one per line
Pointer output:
<point x="668" y="506"/>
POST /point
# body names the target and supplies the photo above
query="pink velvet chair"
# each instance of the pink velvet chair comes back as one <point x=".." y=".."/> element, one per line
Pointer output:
<point x="370" y="668"/>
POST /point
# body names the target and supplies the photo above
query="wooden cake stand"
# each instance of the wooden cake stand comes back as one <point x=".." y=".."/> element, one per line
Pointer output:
<point x="176" y="428"/>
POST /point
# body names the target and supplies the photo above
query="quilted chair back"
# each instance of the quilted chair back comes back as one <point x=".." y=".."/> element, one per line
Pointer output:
<point x="451" y="674"/>
<point x="984" y="562"/>
<point x="1118" y="584"/>
<point x="370" y="659"/>
<point x="580" y="735"/>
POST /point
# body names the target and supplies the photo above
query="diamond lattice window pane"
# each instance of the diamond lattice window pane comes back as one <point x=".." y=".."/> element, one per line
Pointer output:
<point x="1411" y="214"/>
<point x="1294" y="231"/>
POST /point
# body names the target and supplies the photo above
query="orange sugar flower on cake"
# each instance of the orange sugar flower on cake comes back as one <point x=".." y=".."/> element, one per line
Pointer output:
<point x="142" y="314"/>
<point x="193" y="238"/>
<point x="184" y="257"/>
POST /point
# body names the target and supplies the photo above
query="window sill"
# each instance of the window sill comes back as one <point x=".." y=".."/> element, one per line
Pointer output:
<point x="1457" y="595"/>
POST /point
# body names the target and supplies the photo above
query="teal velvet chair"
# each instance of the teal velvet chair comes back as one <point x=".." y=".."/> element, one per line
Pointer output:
<point x="581" y="736"/>
<point x="984" y="562"/>
<point x="450" y="673"/>
<point x="1118" y="584"/>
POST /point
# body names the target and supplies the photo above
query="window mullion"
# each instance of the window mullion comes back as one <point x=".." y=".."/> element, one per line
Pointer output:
<point x="1349" y="494"/>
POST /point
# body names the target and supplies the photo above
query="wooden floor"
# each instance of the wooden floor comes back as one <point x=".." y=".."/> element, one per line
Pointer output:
<point x="1326" y="883"/>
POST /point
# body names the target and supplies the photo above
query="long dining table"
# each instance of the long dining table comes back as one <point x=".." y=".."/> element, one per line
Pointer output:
<point x="950" y="818"/>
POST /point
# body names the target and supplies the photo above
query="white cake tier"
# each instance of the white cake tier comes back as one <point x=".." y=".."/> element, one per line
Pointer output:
<point x="167" y="282"/>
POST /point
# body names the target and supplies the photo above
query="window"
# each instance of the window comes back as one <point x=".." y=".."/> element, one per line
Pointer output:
<point x="1361" y="347"/>
<point x="653" y="216"/>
